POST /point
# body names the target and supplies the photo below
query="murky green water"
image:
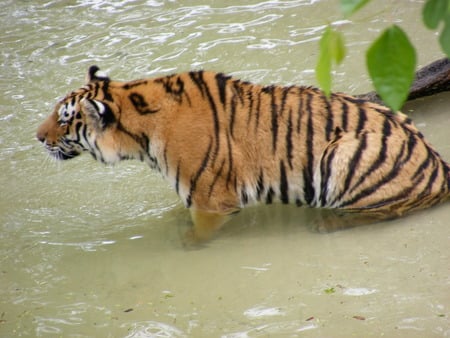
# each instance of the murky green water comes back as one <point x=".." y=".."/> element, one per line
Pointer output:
<point x="94" y="251"/>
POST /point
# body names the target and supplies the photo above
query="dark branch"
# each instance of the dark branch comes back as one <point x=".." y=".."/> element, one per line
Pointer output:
<point x="430" y="80"/>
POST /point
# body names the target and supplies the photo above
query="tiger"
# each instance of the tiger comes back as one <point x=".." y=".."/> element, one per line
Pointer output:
<point x="223" y="143"/>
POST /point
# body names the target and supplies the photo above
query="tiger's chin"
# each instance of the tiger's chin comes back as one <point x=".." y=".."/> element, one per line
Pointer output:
<point x="61" y="154"/>
<point x="65" y="156"/>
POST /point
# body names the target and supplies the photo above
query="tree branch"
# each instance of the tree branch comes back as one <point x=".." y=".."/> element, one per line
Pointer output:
<point x="430" y="80"/>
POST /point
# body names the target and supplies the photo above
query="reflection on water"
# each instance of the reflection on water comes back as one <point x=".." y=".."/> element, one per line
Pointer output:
<point x="94" y="251"/>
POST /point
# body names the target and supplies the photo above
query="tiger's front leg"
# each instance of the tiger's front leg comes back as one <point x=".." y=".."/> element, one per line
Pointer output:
<point x="206" y="224"/>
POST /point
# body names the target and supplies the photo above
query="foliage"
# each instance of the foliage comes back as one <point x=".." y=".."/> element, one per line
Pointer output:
<point x="391" y="59"/>
<point x="348" y="7"/>
<point x="332" y="49"/>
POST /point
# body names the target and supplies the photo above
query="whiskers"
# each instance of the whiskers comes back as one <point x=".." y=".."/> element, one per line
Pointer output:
<point x="50" y="159"/>
<point x="54" y="152"/>
<point x="55" y="155"/>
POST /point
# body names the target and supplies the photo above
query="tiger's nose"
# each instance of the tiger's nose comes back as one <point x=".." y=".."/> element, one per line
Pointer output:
<point x="41" y="135"/>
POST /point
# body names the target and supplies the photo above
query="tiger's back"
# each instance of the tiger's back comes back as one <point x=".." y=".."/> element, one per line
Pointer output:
<point x="292" y="144"/>
<point x="224" y="143"/>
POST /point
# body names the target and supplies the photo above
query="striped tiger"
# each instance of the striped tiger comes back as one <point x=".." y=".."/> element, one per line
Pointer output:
<point x="223" y="143"/>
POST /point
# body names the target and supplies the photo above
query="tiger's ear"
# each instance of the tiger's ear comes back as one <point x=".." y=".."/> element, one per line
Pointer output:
<point x="92" y="75"/>
<point x="98" y="114"/>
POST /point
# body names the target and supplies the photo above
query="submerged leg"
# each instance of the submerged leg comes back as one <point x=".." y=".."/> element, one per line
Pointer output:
<point x="206" y="224"/>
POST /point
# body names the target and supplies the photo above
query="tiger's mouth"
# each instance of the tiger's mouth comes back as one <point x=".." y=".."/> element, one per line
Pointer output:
<point x="61" y="154"/>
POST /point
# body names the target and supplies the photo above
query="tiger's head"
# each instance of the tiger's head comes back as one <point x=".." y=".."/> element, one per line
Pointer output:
<point x="86" y="120"/>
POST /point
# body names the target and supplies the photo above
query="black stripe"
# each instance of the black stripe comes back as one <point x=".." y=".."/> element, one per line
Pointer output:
<point x="142" y="140"/>
<point x="258" y="110"/>
<point x="165" y="160"/>
<point x="308" y="170"/>
<point x="108" y="116"/>
<point x="221" y="80"/>
<point x="239" y="90"/>
<point x="101" y="159"/>
<point x="289" y="143"/>
<point x="106" y="93"/>
<point x="174" y="87"/>
<point x="250" y="108"/>
<point x="412" y="142"/>
<point x="201" y="169"/>
<point x="408" y="121"/>
<point x="418" y="200"/>
<point x="385" y="111"/>
<point x="325" y="172"/>
<point x="432" y="179"/>
<point x="344" y="116"/>
<point x="329" y="127"/>
<point x="235" y="184"/>
<point x="181" y="91"/>
<point x="244" y="196"/>
<point x="447" y="166"/>
<point x="133" y="84"/>
<point x="230" y="160"/>
<point x="425" y="163"/>
<point x="216" y="178"/>
<point x="78" y="127"/>
<point x="284" y="99"/>
<point x="446" y="180"/>
<point x="402" y="195"/>
<point x="203" y="86"/>
<point x="95" y="87"/>
<point x="233" y="113"/>
<point x="284" y="185"/>
<point x="85" y="133"/>
<point x="355" y="100"/>
<point x="197" y="78"/>
<point x="188" y="201"/>
<point x="274" y="114"/>
<point x="433" y="176"/>
<point x="299" y="111"/>
<point x="352" y="167"/>
<point x="381" y="158"/>
<point x="140" y="104"/>
<point x="260" y="185"/>
<point x="362" y="118"/>
<point x="269" y="196"/>
<point x="177" y="179"/>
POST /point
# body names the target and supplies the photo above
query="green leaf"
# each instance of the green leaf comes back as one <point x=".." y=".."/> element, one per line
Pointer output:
<point x="348" y="7"/>
<point x="444" y="38"/>
<point x="391" y="61"/>
<point x="337" y="47"/>
<point x="332" y="49"/>
<point x="323" y="67"/>
<point x="433" y="12"/>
